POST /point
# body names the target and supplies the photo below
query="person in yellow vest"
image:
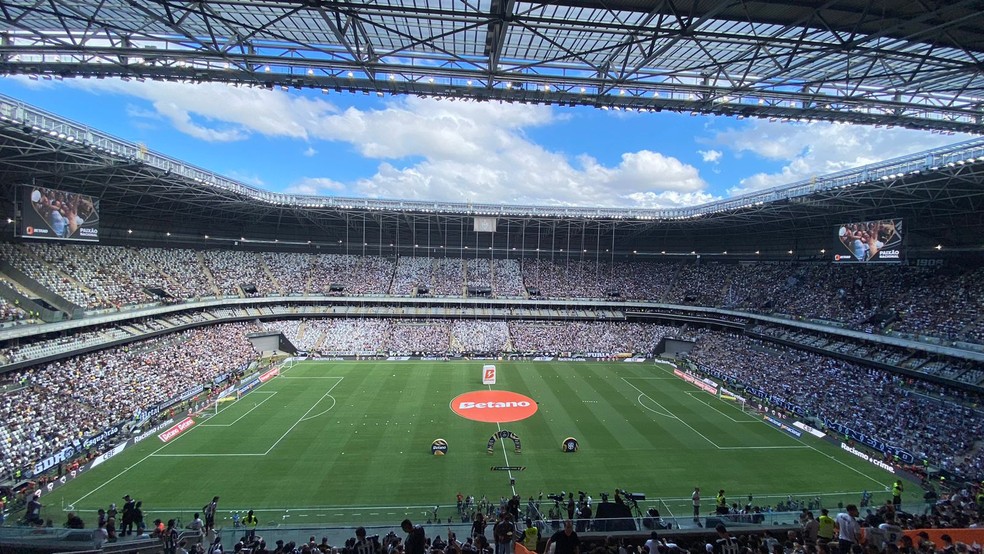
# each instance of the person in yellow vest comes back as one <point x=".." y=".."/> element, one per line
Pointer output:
<point x="250" y="522"/>
<point x="897" y="494"/>
<point x="825" y="529"/>
<point x="721" y="503"/>
<point x="531" y="535"/>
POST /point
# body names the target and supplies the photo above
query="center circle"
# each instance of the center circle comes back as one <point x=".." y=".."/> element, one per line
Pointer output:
<point x="493" y="406"/>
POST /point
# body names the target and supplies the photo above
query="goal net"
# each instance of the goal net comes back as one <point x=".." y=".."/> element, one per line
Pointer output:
<point x="223" y="402"/>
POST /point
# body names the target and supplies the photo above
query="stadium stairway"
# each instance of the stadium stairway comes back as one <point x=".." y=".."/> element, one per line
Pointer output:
<point x="273" y="279"/>
<point x="455" y="344"/>
<point x="59" y="303"/>
<point x="301" y="331"/>
<point x="319" y="341"/>
<point x="208" y="274"/>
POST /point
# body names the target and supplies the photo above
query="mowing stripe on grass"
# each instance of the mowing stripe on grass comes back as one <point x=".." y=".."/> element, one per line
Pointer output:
<point x="234" y="455"/>
<point x="269" y="394"/>
<point x="505" y="454"/>
<point x="698" y="433"/>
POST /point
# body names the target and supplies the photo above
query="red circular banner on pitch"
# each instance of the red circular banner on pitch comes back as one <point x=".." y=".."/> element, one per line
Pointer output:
<point x="493" y="406"/>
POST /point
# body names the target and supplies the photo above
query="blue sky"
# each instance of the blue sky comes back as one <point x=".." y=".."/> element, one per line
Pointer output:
<point x="343" y="144"/>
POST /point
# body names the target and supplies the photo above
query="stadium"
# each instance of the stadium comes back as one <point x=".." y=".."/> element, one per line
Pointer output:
<point x="170" y="335"/>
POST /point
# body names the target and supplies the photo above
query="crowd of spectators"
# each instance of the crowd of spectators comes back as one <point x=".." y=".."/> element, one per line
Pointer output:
<point x="482" y="337"/>
<point x="507" y="279"/>
<point x="411" y="272"/>
<point x="938" y="301"/>
<point x="413" y="337"/>
<point x="233" y="270"/>
<point x="346" y="336"/>
<point x="963" y="371"/>
<point x="64" y="401"/>
<point x="291" y="270"/>
<point x="57" y="404"/>
<point x="47" y="347"/>
<point x="11" y="313"/>
<point x="880" y="529"/>
<point x="371" y="336"/>
<point x="184" y="275"/>
<point x="932" y="422"/>
<point x="447" y="277"/>
<point x="600" y="339"/>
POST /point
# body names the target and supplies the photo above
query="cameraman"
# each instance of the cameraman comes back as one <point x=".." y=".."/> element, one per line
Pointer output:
<point x="584" y="517"/>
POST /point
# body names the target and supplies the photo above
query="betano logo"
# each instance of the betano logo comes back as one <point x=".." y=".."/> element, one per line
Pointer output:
<point x="493" y="406"/>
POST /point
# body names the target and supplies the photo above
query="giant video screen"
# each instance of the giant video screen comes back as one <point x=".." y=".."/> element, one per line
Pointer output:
<point x="870" y="242"/>
<point x="47" y="213"/>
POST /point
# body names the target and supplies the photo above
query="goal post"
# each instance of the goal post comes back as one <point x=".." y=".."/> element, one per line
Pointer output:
<point x="739" y="400"/>
<point x="222" y="402"/>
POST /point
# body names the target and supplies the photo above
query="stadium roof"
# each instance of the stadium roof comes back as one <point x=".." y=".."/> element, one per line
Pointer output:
<point x="940" y="194"/>
<point x="909" y="64"/>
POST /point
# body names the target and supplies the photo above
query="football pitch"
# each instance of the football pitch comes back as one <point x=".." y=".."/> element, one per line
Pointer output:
<point x="339" y="443"/>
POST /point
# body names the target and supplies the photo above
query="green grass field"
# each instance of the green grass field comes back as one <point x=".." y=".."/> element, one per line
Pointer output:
<point x="349" y="442"/>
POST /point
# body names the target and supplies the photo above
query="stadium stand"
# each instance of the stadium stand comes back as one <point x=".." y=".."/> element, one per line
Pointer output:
<point x="59" y="402"/>
<point x="929" y="420"/>
<point x="911" y="301"/>
<point x="933" y="421"/>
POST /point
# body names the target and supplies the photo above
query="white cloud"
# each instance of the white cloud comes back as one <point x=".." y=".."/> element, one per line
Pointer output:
<point x="246" y="177"/>
<point x="816" y="149"/>
<point x="671" y="199"/>
<point x="310" y="152"/>
<point x="137" y="112"/>
<point x="315" y="186"/>
<point x="219" y="113"/>
<point x="529" y="174"/>
<point x="459" y="151"/>
<point x="710" y="156"/>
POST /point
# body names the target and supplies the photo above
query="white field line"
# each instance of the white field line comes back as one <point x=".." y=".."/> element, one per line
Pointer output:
<point x="269" y="394"/>
<point x="673" y="415"/>
<point x="313" y="406"/>
<point x="505" y="453"/>
<point x="268" y="450"/>
<point x="698" y="433"/>
<point x="700" y="397"/>
<point x="815" y="449"/>
<point x="313" y="377"/>
<point x="657" y="412"/>
<point x="328" y="409"/>
<point x="141" y="460"/>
